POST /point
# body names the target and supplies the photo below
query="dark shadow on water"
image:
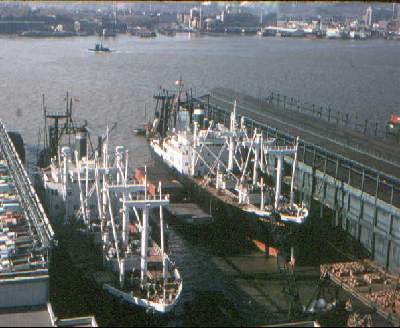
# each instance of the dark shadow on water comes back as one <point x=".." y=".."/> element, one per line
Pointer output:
<point x="210" y="309"/>
<point x="217" y="239"/>
<point x="71" y="294"/>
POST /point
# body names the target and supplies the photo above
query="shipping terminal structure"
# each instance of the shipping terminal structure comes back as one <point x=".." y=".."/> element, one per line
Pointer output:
<point x="26" y="236"/>
<point x="91" y="195"/>
<point x="234" y="169"/>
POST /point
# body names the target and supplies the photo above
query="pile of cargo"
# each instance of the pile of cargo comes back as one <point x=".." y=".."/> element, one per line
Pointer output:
<point x="371" y="284"/>
<point x="388" y="300"/>
<point x="373" y="278"/>
<point x="356" y="282"/>
<point x="357" y="274"/>
<point x="358" y="320"/>
<point x="345" y="269"/>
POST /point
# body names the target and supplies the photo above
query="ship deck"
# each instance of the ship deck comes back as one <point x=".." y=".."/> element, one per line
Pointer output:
<point x="189" y="213"/>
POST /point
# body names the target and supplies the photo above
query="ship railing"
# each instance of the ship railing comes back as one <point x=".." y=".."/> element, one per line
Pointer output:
<point x="281" y="148"/>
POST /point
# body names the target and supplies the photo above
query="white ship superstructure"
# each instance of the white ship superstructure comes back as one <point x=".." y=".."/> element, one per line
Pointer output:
<point x="233" y="161"/>
<point x="96" y="194"/>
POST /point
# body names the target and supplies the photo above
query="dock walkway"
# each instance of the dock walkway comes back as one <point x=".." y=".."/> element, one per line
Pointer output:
<point x="382" y="155"/>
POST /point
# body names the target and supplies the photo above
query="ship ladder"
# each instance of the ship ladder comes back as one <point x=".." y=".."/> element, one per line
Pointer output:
<point x="295" y="310"/>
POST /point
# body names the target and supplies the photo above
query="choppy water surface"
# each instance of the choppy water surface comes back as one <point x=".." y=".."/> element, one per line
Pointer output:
<point x="358" y="77"/>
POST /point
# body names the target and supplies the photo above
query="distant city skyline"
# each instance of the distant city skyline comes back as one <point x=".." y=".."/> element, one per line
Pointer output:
<point x="273" y="5"/>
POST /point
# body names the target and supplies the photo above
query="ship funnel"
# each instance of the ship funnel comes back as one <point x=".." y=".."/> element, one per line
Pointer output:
<point x="81" y="143"/>
<point x="206" y="123"/>
<point x="99" y="145"/>
<point x="198" y="116"/>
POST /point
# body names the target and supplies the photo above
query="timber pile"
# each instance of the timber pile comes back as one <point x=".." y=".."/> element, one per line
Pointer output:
<point x="373" y="278"/>
<point x="345" y="269"/>
<point x="371" y="284"/>
<point x="387" y="300"/>
<point x="357" y="320"/>
<point x="356" y="273"/>
<point x="356" y="282"/>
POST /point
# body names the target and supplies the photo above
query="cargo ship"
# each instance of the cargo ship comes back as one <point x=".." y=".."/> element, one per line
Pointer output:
<point x="91" y="197"/>
<point x="228" y="167"/>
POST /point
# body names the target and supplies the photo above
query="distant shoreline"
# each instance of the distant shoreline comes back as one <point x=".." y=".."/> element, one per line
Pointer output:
<point x="46" y="34"/>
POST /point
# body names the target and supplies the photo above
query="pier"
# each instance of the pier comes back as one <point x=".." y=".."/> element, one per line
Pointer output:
<point x="26" y="242"/>
<point x="354" y="175"/>
<point x="26" y="233"/>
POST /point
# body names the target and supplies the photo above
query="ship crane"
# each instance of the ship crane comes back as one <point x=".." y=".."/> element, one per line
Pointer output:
<point x="120" y="187"/>
<point x="94" y="174"/>
<point x="165" y="100"/>
<point x="203" y="142"/>
<point x="233" y="136"/>
<point x="254" y="146"/>
<point x="177" y="100"/>
<point x="130" y="200"/>
<point x="228" y="140"/>
<point x="92" y="177"/>
<point x="120" y="168"/>
<point x="280" y="152"/>
<point x="259" y="147"/>
<point x="145" y="205"/>
<point x="65" y="155"/>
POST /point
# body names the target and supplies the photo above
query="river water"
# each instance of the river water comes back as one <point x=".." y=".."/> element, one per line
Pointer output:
<point x="352" y="76"/>
<point x="356" y="77"/>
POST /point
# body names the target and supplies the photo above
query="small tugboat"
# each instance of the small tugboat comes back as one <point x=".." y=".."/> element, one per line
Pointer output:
<point x="100" y="48"/>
